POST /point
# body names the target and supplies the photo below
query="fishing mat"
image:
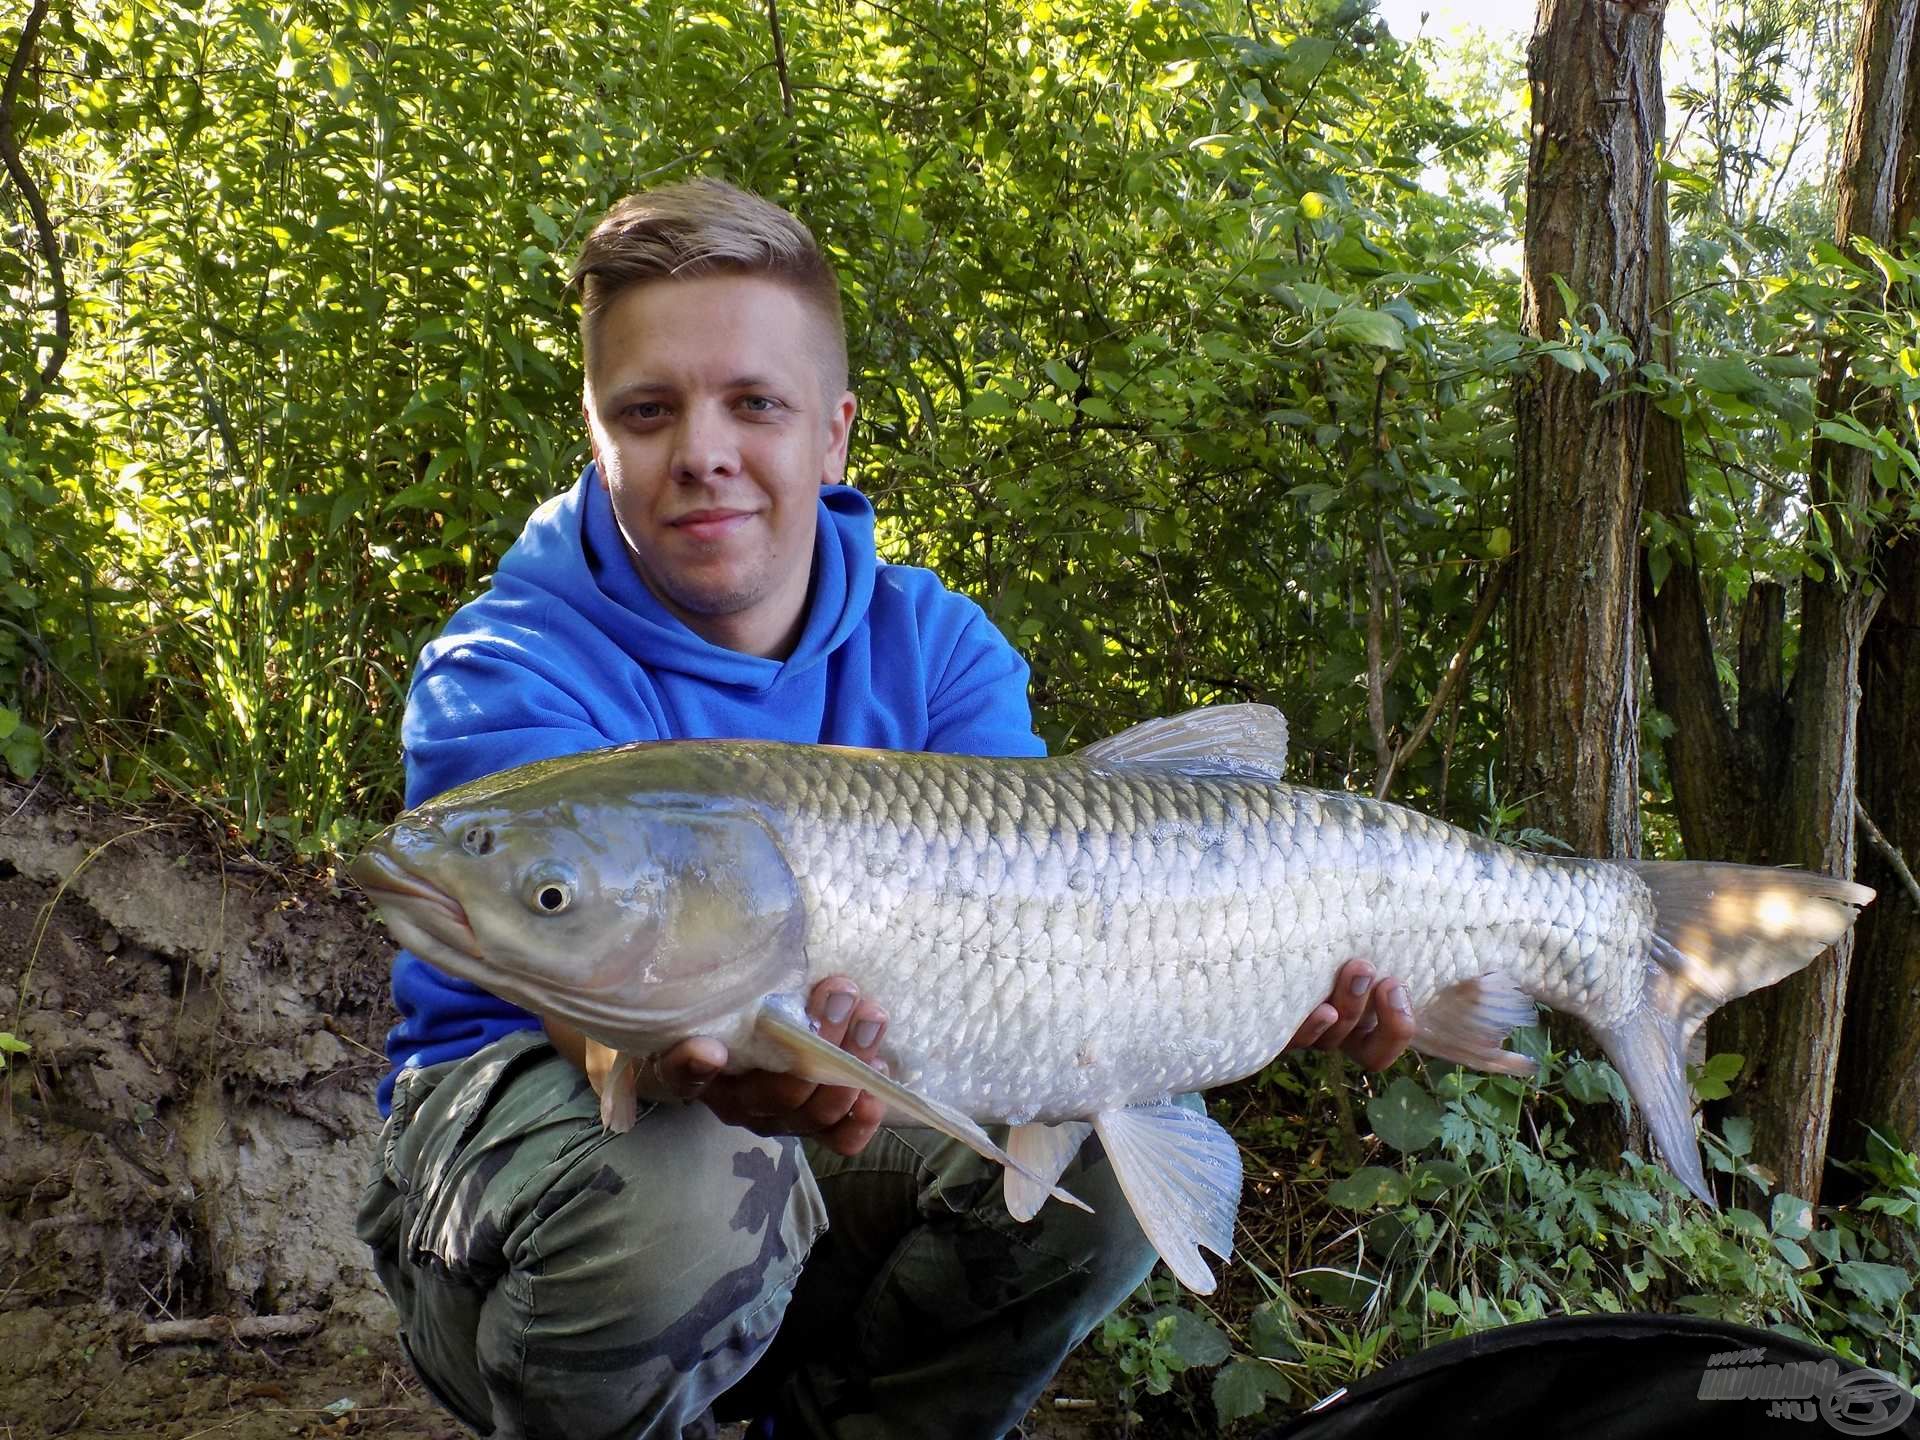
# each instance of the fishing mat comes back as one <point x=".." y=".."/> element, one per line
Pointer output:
<point x="1616" y="1377"/>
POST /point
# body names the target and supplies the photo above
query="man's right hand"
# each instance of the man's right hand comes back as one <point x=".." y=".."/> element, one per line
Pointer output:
<point x="763" y="1101"/>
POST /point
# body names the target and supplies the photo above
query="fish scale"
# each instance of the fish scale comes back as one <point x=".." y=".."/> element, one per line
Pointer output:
<point x="1199" y="883"/>
<point x="1062" y="944"/>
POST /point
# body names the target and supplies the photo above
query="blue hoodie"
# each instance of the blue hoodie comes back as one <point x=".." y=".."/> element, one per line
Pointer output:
<point x="570" y="651"/>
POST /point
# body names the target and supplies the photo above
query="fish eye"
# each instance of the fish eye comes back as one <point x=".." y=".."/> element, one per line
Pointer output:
<point x="550" y="893"/>
<point x="478" y="840"/>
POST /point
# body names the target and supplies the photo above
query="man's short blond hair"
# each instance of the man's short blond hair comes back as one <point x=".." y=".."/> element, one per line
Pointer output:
<point x="705" y="227"/>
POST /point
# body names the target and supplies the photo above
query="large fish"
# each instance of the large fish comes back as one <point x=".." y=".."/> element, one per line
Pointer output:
<point x="1064" y="944"/>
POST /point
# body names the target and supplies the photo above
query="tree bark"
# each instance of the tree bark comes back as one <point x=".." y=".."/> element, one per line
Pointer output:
<point x="1879" y="1081"/>
<point x="1778" y="787"/>
<point x="1598" y="116"/>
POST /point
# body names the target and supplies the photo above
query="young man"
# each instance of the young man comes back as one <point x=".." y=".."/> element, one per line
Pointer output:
<point x="709" y="576"/>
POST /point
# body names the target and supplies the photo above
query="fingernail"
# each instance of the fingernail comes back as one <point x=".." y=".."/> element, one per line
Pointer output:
<point x="865" y="1033"/>
<point x="1399" y="1000"/>
<point x="839" y="1006"/>
<point x="700" y="1072"/>
<point x="1358" y="985"/>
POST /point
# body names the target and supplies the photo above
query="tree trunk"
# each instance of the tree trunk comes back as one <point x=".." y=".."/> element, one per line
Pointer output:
<point x="1879" y="1080"/>
<point x="1779" y="788"/>
<point x="1598" y="116"/>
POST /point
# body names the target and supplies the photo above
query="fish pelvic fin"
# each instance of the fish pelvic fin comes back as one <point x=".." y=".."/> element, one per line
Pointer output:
<point x="1045" y="1151"/>
<point x="1469" y="1022"/>
<point x="805" y="1054"/>
<point x="1181" y="1174"/>
<point x="1720" y="931"/>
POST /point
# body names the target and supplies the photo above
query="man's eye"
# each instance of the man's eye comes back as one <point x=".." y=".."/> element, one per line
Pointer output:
<point x="760" y="404"/>
<point x="646" y="410"/>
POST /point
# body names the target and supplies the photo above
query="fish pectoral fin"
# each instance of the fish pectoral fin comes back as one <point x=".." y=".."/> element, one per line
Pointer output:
<point x="1045" y="1150"/>
<point x="1469" y="1023"/>
<point x="619" y="1101"/>
<point x="824" y="1063"/>
<point x="1181" y="1173"/>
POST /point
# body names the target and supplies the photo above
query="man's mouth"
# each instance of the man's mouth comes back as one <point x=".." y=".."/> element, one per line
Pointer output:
<point x="710" y="525"/>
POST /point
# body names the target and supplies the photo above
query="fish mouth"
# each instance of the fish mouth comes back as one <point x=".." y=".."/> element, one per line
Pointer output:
<point x="411" y="898"/>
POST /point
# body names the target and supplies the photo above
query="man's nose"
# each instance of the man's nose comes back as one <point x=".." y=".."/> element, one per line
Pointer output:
<point x="704" y="444"/>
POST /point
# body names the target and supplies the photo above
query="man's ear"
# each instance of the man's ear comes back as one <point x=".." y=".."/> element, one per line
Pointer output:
<point x="839" y="432"/>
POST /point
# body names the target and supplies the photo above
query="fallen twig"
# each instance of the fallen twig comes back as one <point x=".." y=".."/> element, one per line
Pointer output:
<point x="221" y="1327"/>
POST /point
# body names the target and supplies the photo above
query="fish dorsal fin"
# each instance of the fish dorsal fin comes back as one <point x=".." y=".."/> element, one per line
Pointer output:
<point x="1045" y="1150"/>
<point x="781" y="1028"/>
<point x="1243" y="740"/>
<point x="1181" y="1174"/>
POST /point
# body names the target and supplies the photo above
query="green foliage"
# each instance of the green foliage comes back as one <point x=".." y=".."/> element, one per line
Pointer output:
<point x="1472" y="1212"/>
<point x="1160" y="350"/>
<point x="11" y="1045"/>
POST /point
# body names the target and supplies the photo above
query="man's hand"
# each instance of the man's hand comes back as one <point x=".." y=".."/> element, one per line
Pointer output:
<point x="762" y="1101"/>
<point x="1371" y="1023"/>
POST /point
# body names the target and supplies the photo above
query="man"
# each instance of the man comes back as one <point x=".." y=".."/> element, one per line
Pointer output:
<point x="709" y="576"/>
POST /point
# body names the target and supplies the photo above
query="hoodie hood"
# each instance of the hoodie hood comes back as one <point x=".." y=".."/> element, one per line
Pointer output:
<point x="572" y="549"/>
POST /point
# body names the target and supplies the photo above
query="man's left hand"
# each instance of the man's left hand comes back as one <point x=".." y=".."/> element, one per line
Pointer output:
<point x="1368" y="1020"/>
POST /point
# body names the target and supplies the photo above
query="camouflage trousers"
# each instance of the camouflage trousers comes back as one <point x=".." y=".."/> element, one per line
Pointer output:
<point x="554" y="1279"/>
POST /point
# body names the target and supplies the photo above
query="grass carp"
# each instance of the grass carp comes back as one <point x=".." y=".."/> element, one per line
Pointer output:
<point x="1063" y="944"/>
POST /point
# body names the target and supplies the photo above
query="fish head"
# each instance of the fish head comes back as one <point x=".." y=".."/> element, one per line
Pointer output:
<point x="638" y="921"/>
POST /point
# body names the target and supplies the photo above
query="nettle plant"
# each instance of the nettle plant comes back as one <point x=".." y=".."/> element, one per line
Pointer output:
<point x="1472" y="1212"/>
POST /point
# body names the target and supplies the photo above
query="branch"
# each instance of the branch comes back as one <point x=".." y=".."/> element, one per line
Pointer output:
<point x="296" y="1326"/>
<point x="43" y="226"/>
<point x="1889" y="852"/>
<point x="1448" y="684"/>
<point x="780" y="58"/>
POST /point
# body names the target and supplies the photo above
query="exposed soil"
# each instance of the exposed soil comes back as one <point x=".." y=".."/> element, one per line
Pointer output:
<point x="186" y="1138"/>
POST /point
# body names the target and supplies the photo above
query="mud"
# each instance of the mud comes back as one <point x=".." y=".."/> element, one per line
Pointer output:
<point x="185" y="1139"/>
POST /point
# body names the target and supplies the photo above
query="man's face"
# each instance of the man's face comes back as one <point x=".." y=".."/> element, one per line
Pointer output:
<point x="706" y="406"/>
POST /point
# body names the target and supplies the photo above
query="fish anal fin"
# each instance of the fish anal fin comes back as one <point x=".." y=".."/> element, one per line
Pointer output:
<point x="1181" y="1174"/>
<point x="1045" y="1151"/>
<point x="1249" y="741"/>
<point x="619" y="1101"/>
<point x="1469" y="1023"/>
<point x="801" y="1052"/>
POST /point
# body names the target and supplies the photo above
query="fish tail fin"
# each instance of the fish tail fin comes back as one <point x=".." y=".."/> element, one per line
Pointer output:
<point x="1720" y="932"/>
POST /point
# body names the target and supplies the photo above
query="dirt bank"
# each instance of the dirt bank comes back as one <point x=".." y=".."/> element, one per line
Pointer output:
<point x="185" y="1138"/>
<point x="184" y="1142"/>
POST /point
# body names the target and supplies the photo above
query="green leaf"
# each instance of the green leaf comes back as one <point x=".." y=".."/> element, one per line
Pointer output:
<point x="1882" y="1286"/>
<point x="13" y="1044"/>
<point x="1193" y="1338"/>
<point x="1792" y="1217"/>
<point x="1405" y="1116"/>
<point x="1347" y="1289"/>
<point x="9" y="721"/>
<point x="1435" y="1177"/>
<point x="1737" y="1131"/>
<point x="1267" y="1332"/>
<point x="1849" y="432"/>
<point x="1367" y="327"/>
<point x="1369" y="1187"/>
<point x="1242" y="1389"/>
<point x="1730" y="376"/>
<point x="988" y="404"/>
